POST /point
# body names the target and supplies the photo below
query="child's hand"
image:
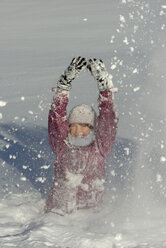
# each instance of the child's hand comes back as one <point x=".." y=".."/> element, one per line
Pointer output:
<point x="99" y="72"/>
<point x="76" y="65"/>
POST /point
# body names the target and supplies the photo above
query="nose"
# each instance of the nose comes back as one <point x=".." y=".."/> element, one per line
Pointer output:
<point x="78" y="132"/>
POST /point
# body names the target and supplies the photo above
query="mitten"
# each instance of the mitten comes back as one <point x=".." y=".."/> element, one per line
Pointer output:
<point x="100" y="74"/>
<point x="76" y="65"/>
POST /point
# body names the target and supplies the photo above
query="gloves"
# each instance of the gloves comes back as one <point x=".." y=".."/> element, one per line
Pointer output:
<point x="76" y="65"/>
<point x="99" y="72"/>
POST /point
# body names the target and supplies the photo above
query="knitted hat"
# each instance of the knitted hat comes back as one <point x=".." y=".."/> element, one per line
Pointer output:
<point x="82" y="114"/>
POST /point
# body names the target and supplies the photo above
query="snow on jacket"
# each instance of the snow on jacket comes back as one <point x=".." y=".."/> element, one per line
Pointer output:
<point x="79" y="171"/>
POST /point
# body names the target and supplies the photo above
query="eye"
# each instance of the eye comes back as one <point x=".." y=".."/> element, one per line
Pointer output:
<point x="72" y="125"/>
<point x="84" y="125"/>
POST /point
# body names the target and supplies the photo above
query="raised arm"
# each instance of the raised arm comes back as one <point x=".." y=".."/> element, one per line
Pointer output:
<point x="106" y="123"/>
<point x="57" y="119"/>
<point x="107" y="120"/>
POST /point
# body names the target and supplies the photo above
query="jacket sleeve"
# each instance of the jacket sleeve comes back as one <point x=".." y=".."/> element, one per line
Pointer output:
<point x="106" y="123"/>
<point x="57" y="120"/>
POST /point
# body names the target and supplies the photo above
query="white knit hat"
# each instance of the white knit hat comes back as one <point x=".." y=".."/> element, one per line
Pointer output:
<point x="82" y="114"/>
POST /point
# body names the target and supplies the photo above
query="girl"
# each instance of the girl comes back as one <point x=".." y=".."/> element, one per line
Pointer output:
<point x="80" y="141"/>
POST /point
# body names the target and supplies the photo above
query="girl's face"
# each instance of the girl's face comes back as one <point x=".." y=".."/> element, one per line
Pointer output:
<point x="79" y="130"/>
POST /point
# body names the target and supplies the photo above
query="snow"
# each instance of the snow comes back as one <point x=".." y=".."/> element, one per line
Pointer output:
<point x="158" y="178"/>
<point x="74" y="179"/>
<point x="122" y="19"/>
<point x="37" y="41"/>
<point x="136" y="89"/>
<point x="135" y="70"/>
<point x="30" y="112"/>
<point x="2" y="103"/>
<point x="163" y="159"/>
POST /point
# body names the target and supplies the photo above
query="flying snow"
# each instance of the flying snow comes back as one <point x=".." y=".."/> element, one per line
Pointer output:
<point x="162" y="159"/>
<point x="136" y="89"/>
<point x="3" y="104"/>
<point x="30" y="112"/>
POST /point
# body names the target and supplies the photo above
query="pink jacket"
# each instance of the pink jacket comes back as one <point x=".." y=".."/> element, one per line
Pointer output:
<point x="79" y="171"/>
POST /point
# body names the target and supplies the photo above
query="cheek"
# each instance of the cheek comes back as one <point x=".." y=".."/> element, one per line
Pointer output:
<point x="72" y="131"/>
<point x="86" y="131"/>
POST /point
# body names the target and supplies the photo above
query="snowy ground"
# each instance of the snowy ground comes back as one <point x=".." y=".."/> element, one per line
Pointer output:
<point x="37" y="41"/>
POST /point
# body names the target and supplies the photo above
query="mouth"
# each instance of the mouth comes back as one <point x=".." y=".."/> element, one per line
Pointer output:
<point x="79" y="135"/>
